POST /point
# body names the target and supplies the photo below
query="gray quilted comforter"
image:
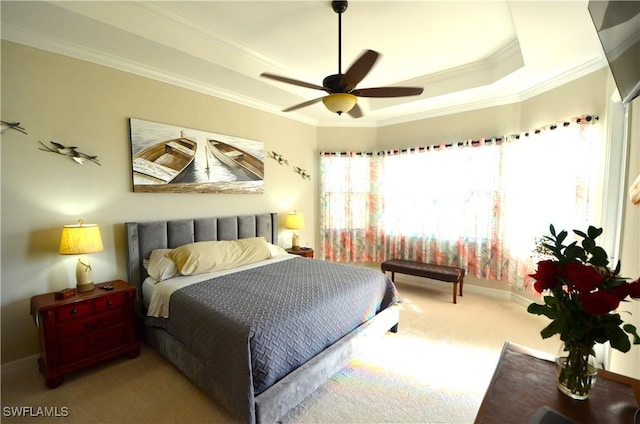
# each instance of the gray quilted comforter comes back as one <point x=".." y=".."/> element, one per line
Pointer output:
<point x="253" y="327"/>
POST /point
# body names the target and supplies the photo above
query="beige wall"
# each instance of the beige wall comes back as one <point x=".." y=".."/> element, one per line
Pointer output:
<point x="75" y="102"/>
<point x="586" y="95"/>
<point x="629" y="363"/>
<point x="489" y="122"/>
<point x="82" y="104"/>
<point x="332" y="139"/>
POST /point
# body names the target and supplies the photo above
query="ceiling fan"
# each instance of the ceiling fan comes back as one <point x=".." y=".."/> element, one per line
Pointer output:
<point x="341" y="88"/>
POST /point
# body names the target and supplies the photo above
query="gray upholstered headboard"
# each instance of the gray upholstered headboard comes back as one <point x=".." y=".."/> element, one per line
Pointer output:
<point x="143" y="237"/>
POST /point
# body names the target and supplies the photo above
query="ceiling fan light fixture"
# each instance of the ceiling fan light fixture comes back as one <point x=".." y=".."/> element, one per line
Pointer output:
<point x="339" y="102"/>
<point x="341" y="88"/>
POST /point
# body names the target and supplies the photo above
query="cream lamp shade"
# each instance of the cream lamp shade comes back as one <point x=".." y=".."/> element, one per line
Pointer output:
<point x="339" y="102"/>
<point x="80" y="239"/>
<point x="295" y="221"/>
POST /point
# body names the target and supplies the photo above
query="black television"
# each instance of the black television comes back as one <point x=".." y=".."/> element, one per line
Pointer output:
<point x="618" y="26"/>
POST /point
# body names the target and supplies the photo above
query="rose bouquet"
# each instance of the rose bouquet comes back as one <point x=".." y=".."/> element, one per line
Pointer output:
<point x="581" y="295"/>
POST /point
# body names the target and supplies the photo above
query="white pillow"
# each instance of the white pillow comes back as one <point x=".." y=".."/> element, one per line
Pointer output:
<point x="160" y="266"/>
<point x="276" y="250"/>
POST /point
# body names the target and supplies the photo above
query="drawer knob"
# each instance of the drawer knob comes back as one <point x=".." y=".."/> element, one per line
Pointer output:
<point x="74" y="311"/>
<point x="109" y="302"/>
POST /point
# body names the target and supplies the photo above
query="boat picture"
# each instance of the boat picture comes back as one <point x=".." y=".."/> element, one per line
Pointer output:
<point x="164" y="162"/>
<point x="237" y="158"/>
<point x="167" y="158"/>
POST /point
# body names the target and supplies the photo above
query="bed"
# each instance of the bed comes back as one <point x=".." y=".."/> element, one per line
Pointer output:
<point x="260" y="337"/>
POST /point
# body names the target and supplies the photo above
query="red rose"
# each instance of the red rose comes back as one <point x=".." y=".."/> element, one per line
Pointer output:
<point x="545" y="276"/>
<point x="599" y="302"/>
<point x="584" y="278"/>
<point x="622" y="290"/>
<point x="633" y="289"/>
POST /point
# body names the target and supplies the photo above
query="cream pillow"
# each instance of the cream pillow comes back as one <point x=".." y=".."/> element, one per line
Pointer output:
<point x="209" y="256"/>
<point x="160" y="266"/>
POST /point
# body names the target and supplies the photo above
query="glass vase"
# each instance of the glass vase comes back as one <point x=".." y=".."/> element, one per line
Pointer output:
<point x="577" y="370"/>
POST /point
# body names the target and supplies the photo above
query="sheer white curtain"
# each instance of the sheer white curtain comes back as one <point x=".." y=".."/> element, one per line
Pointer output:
<point x="478" y="205"/>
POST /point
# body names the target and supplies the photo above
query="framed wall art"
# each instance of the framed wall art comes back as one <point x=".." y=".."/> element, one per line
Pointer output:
<point x="171" y="159"/>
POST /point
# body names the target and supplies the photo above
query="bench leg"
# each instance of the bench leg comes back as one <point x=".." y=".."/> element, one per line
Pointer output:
<point x="455" y="291"/>
<point x="461" y="284"/>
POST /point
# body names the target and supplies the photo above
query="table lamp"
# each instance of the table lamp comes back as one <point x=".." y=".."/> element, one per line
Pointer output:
<point x="295" y="221"/>
<point x="81" y="239"/>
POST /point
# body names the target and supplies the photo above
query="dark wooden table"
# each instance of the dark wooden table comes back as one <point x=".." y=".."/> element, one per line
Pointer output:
<point x="525" y="380"/>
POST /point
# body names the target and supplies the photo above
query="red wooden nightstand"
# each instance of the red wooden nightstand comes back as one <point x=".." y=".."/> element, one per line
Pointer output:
<point x="84" y="329"/>
<point x="307" y="252"/>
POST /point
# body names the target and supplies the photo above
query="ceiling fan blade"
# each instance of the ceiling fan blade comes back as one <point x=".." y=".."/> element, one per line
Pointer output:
<point x="388" y="92"/>
<point x="359" y="69"/>
<point x="292" y="81"/>
<point x="355" y="112"/>
<point x="303" y="104"/>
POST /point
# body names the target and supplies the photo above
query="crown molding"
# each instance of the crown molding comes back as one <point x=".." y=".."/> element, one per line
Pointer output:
<point x="83" y="53"/>
<point x="76" y="51"/>
<point x="501" y="100"/>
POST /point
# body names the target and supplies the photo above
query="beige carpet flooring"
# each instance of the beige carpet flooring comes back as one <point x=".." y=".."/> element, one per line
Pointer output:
<point x="434" y="370"/>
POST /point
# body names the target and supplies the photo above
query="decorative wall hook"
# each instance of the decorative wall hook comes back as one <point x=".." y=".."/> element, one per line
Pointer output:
<point x="70" y="151"/>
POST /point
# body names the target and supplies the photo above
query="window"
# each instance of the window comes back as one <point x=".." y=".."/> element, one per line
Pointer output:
<point x="479" y="205"/>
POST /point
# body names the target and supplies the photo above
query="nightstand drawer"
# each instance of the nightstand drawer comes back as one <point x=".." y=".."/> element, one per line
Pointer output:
<point x="73" y="311"/>
<point x="93" y="343"/>
<point x="82" y="326"/>
<point x="109" y="302"/>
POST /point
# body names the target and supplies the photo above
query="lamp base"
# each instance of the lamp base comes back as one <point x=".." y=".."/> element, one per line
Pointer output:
<point x="295" y="242"/>
<point x="85" y="287"/>
<point x="84" y="275"/>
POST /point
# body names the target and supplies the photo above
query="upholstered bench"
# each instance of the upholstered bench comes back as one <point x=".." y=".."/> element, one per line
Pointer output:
<point x="421" y="269"/>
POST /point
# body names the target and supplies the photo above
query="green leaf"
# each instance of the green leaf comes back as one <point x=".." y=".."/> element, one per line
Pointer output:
<point x="599" y="257"/>
<point x="554" y="328"/>
<point x="552" y="230"/>
<point x="553" y="249"/>
<point x="563" y="235"/>
<point x="573" y="252"/>
<point x="538" y="309"/>
<point x="618" y="339"/>
<point x="631" y="329"/>
<point x="588" y="244"/>
<point x="580" y="233"/>
<point x="616" y="282"/>
<point x="594" y="232"/>
<point x="534" y="308"/>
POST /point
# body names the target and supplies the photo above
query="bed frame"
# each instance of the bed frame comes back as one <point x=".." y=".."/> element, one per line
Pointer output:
<point x="272" y="404"/>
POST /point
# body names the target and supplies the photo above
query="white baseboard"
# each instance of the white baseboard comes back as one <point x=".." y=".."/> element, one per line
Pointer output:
<point x="521" y="300"/>
<point x="19" y="366"/>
